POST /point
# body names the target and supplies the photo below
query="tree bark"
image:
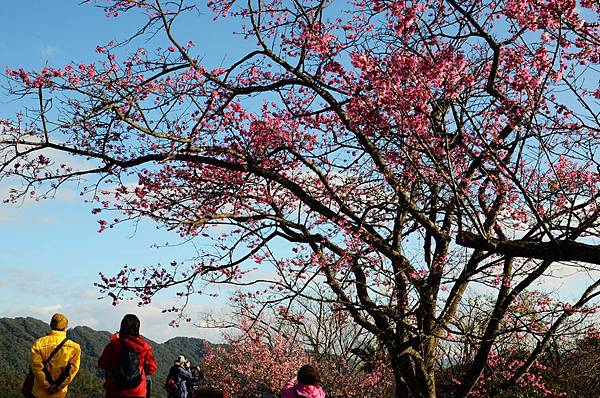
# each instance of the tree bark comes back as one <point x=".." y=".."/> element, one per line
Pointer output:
<point x="411" y="379"/>
<point x="558" y="250"/>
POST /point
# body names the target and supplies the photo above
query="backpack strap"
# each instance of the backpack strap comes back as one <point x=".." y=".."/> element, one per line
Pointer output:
<point x="58" y="347"/>
<point x="45" y="363"/>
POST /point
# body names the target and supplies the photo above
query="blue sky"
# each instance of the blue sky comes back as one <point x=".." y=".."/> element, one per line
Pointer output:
<point x="51" y="250"/>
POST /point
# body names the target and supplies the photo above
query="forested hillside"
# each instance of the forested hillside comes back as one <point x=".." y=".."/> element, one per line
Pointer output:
<point x="17" y="335"/>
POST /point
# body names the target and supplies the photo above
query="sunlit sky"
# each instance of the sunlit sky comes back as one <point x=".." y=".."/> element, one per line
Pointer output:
<point x="51" y="252"/>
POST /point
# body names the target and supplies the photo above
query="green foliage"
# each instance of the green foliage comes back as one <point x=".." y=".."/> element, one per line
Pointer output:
<point x="17" y="336"/>
<point x="86" y="384"/>
<point x="10" y="383"/>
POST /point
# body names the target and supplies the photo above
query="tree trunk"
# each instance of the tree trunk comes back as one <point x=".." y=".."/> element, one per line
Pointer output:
<point x="410" y="382"/>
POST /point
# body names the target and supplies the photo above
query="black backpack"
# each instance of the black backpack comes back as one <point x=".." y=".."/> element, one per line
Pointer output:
<point x="127" y="373"/>
<point x="171" y="384"/>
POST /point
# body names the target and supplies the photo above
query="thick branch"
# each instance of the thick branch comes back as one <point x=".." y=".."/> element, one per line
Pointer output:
<point x="559" y="250"/>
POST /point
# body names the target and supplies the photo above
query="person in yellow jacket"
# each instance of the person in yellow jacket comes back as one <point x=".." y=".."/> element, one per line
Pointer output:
<point x="68" y="356"/>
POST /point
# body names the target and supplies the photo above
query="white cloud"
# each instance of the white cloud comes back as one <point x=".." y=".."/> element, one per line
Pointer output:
<point x="23" y="280"/>
<point x="154" y="323"/>
<point x="82" y="307"/>
<point x="49" y="51"/>
<point x="567" y="281"/>
<point x="43" y="313"/>
<point x="15" y="214"/>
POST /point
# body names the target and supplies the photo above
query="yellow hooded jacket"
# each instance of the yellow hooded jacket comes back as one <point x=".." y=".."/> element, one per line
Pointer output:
<point x="69" y="353"/>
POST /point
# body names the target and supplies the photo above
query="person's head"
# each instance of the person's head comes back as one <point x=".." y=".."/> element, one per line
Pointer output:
<point x="59" y="322"/>
<point x="308" y="374"/>
<point x="130" y="326"/>
<point x="181" y="361"/>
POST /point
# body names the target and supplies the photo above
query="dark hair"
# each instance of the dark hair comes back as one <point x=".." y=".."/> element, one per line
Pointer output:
<point x="308" y="374"/>
<point x="130" y="326"/>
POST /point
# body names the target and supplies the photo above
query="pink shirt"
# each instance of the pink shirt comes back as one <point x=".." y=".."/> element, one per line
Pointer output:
<point x="298" y="390"/>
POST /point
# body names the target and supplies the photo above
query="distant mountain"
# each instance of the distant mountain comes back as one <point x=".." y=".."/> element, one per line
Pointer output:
<point x="17" y="336"/>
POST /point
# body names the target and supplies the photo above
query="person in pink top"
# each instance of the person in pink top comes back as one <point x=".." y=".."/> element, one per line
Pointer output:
<point x="307" y="385"/>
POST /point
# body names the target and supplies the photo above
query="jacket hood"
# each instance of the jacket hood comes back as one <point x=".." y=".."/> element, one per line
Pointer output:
<point x="135" y="343"/>
<point x="309" y="391"/>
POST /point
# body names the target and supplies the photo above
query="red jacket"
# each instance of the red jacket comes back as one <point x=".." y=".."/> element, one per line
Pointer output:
<point x="110" y="358"/>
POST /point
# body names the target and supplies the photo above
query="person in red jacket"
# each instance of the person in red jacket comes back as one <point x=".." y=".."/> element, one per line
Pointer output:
<point x="128" y="339"/>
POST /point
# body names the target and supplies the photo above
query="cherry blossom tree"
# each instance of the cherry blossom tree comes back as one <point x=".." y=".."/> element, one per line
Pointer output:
<point x="254" y="362"/>
<point x="405" y="154"/>
<point x="507" y="372"/>
<point x="261" y="358"/>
